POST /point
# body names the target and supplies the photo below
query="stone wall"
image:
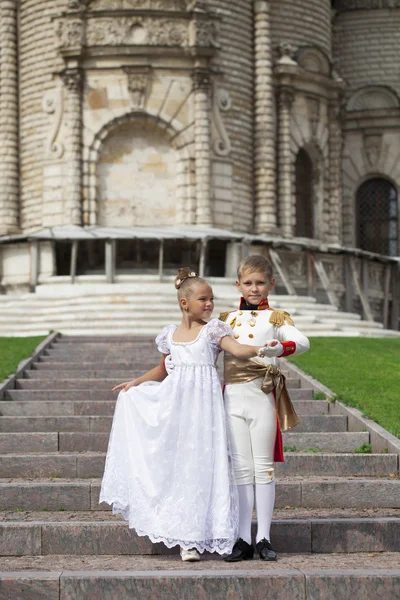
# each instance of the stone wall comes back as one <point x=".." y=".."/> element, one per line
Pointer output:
<point x="301" y="23"/>
<point x="235" y="61"/>
<point x="38" y="62"/>
<point x="365" y="47"/>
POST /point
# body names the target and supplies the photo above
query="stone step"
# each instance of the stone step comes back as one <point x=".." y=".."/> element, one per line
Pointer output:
<point x="11" y="443"/>
<point x="57" y="407"/>
<point x="308" y="577"/>
<point x="127" y="365"/>
<point x="43" y="538"/>
<point x="315" y="492"/>
<point x="319" y="423"/>
<point x="91" y="464"/>
<point x="300" y="395"/>
<point x="57" y="383"/>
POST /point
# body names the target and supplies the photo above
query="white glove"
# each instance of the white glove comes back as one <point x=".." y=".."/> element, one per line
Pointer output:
<point x="271" y="351"/>
<point x="169" y="365"/>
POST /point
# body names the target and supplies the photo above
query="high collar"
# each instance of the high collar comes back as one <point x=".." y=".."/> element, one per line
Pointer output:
<point x="245" y="306"/>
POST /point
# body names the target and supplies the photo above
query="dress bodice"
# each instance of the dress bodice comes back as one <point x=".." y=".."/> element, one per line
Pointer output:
<point x="202" y="351"/>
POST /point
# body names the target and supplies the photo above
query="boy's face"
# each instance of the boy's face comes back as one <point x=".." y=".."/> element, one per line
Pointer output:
<point x="254" y="287"/>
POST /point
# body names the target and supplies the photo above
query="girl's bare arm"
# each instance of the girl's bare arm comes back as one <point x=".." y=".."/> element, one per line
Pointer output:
<point x="241" y="350"/>
<point x="158" y="373"/>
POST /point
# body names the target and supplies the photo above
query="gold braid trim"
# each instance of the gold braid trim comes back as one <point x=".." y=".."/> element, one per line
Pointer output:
<point x="223" y="316"/>
<point x="278" y="318"/>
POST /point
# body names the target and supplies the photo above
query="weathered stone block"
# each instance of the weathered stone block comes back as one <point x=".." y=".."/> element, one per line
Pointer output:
<point x="356" y="535"/>
<point x="29" y="586"/>
<point x="20" y="539"/>
<point x="50" y="496"/>
<point x="360" y="584"/>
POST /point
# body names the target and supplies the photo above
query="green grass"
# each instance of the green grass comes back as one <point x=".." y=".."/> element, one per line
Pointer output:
<point x="13" y="350"/>
<point x="363" y="372"/>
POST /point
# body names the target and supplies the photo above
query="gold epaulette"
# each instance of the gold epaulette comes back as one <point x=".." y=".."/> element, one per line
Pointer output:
<point x="224" y="315"/>
<point x="279" y="317"/>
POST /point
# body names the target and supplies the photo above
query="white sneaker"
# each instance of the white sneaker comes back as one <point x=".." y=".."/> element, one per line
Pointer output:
<point x="190" y="555"/>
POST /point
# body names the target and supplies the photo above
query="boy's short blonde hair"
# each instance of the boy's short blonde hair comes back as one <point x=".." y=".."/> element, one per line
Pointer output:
<point x="253" y="264"/>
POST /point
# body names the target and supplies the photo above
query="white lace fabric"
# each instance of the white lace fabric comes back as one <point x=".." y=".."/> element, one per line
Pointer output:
<point x="168" y="470"/>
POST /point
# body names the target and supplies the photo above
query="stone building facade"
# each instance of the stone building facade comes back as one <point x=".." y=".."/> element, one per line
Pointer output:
<point x="272" y="118"/>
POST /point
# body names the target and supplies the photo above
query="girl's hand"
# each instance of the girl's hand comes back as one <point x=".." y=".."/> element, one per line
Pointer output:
<point x="124" y="386"/>
<point x="271" y="348"/>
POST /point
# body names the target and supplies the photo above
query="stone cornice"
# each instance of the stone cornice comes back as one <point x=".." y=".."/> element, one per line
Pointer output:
<point x="347" y="5"/>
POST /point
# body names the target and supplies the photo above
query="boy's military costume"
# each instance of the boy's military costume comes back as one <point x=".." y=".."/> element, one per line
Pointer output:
<point x="257" y="404"/>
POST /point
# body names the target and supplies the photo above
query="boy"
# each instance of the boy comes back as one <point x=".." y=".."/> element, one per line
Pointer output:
<point x="254" y="395"/>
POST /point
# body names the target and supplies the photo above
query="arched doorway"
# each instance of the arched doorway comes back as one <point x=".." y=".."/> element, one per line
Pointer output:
<point x="377" y="217"/>
<point x="136" y="178"/>
<point x="304" y="173"/>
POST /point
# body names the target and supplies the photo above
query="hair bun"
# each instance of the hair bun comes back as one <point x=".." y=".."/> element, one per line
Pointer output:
<point x="183" y="274"/>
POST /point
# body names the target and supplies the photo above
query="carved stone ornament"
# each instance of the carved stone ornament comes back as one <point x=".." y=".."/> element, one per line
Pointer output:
<point x="372" y="149"/>
<point x="53" y="104"/>
<point x="201" y="79"/>
<point x="313" y="106"/>
<point x="72" y="79"/>
<point x="343" y="5"/>
<point x="138" y="83"/>
<point x="203" y="33"/>
<point x="286" y="50"/>
<point x="70" y="34"/>
<point x="78" y="4"/>
<point x="373" y="97"/>
<point x="180" y="5"/>
<point x="116" y="31"/>
<point x="286" y="97"/>
<point x="222" y="102"/>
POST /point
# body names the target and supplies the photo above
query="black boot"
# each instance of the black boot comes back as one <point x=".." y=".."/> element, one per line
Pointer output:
<point x="265" y="550"/>
<point x="240" y="551"/>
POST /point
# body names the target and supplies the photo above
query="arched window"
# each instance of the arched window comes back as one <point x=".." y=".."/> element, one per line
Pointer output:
<point x="377" y="226"/>
<point x="304" y="195"/>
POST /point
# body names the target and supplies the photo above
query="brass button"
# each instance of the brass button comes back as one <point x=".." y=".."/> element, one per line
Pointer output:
<point x="252" y="323"/>
<point x="236" y="336"/>
<point x="254" y="313"/>
<point x="238" y="324"/>
<point x="240" y="312"/>
<point x="251" y="335"/>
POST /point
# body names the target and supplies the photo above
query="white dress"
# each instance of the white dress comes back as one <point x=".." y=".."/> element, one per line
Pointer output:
<point x="168" y="470"/>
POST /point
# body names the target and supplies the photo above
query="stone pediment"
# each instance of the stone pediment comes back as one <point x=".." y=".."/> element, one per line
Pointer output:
<point x="314" y="60"/>
<point x="373" y="97"/>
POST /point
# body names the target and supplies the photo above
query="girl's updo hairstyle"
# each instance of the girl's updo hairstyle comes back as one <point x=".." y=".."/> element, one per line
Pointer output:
<point x="186" y="281"/>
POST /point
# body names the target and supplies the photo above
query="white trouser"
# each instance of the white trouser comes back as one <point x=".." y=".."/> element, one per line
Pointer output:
<point x="251" y="420"/>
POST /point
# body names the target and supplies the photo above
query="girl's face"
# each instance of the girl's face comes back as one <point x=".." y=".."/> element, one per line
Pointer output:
<point x="200" y="303"/>
<point x="254" y="287"/>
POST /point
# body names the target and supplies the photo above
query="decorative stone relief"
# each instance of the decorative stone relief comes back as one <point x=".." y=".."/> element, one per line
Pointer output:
<point x="222" y="102"/>
<point x="201" y="79"/>
<point x="334" y="270"/>
<point x="372" y="149"/>
<point x="203" y="33"/>
<point x="138" y="4"/>
<point x="139" y="79"/>
<point x="375" y="276"/>
<point x="136" y="31"/>
<point x="53" y="104"/>
<point x="70" y="34"/>
<point x="286" y="50"/>
<point x="373" y="97"/>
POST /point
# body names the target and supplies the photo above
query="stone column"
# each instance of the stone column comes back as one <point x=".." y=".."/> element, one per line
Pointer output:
<point x="286" y="202"/>
<point x="72" y="79"/>
<point x="201" y="85"/>
<point x="264" y="135"/>
<point x="335" y="173"/>
<point x="9" y="148"/>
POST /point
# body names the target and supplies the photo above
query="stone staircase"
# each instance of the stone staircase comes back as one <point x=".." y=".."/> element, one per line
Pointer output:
<point x="143" y="307"/>
<point x="336" y="524"/>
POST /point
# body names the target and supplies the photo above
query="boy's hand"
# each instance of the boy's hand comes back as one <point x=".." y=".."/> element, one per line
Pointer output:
<point x="271" y="348"/>
<point x="124" y="386"/>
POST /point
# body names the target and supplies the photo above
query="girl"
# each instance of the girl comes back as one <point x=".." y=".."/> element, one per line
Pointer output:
<point x="167" y="469"/>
